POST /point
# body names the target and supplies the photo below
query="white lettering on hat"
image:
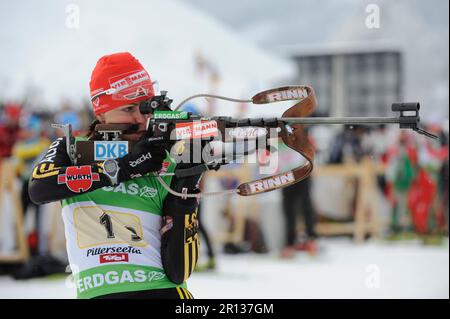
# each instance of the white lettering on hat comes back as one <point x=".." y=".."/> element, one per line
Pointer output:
<point x="130" y="80"/>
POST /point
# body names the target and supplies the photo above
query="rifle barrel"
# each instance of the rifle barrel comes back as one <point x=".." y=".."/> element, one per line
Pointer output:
<point x="340" y="120"/>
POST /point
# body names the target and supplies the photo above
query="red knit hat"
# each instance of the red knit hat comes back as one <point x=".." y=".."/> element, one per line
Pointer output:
<point x="119" y="79"/>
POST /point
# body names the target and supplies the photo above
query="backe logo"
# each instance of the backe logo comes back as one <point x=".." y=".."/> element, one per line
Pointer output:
<point x="141" y="159"/>
<point x="78" y="178"/>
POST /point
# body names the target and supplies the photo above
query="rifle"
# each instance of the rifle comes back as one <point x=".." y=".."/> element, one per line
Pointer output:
<point x="171" y="126"/>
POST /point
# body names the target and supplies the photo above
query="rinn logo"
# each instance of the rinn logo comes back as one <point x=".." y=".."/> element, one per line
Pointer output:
<point x="287" y="95"/>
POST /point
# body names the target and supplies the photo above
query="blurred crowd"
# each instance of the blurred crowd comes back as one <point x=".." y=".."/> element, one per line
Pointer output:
<point x="414" y="179"/>
<point x="25" y="135"/>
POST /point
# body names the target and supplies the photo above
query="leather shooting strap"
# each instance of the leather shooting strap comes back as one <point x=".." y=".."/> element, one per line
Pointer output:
<point x="293" y="135"/>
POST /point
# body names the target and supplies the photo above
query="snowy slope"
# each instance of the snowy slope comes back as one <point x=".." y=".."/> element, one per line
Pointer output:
<point x="166" y="36"/>
<point x="343" y="270"/>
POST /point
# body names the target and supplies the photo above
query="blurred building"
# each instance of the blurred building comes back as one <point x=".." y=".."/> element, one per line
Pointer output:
<point x="351" y="81"/>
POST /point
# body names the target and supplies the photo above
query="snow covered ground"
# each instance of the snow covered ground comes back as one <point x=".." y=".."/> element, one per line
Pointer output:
<point x="341" y="270"/>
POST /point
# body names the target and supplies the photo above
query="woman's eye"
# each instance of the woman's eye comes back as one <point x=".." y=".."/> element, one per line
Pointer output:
<point x="128" y="109"/>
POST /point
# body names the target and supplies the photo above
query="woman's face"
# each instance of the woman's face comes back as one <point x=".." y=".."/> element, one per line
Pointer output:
<point x="127" y="114"/>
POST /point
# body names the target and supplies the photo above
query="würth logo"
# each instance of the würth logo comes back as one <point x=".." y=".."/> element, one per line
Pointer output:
<point x="78" y="178"/>
<point x="113" y="258"/>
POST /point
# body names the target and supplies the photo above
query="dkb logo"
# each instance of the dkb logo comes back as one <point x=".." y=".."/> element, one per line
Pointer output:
<point x="104" y="150"/>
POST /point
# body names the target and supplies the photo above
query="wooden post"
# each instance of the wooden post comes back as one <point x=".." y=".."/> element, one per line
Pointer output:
<point x="362" y="199"/>
<point x="366" y="200"/>
<point x="375" y="224"/>
<point x="366" y="219"/>
<point x="242" y="173"/>
<point x="8" y="185"/>
<point x="56" y="238"/>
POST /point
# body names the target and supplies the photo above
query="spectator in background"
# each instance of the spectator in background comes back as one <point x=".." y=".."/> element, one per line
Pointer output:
<point x="425" y="202"/>
<point x="26" y="152"/>
<point x="9" y="128"/>
<point x="347" y="145"/>
<point x="348" y="148"/>
<point x="444" y="175"/>
<point x="401" y="173"/>
<point x="443" y="187"/>
<point x="69" y="116"/>
<point x="297" y="201"/>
